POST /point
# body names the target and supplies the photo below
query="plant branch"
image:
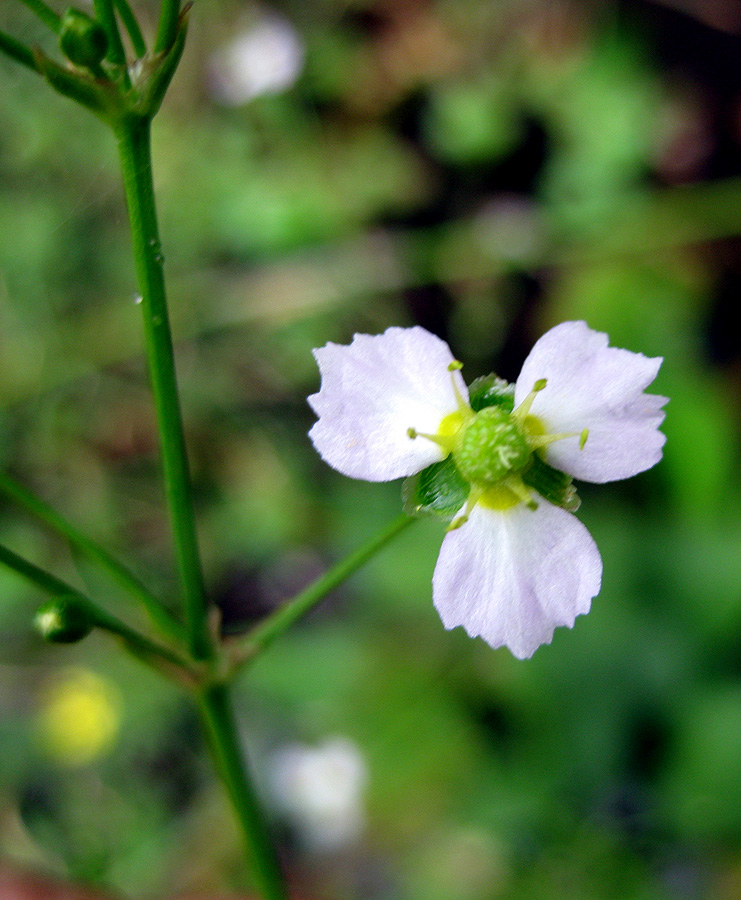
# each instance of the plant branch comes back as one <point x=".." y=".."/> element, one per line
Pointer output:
<point x="17" y="51"/>
<point x="90" y="548"/>
<point x="137" y="643"/>
<point x="45" y="13"/>
<point x="106" y="15"/>
<point x="168" y="25"/>
<point x="133" y="135"/>
<point x="132" y="27"/>
<point x="218" y="720"/>
<point x="275" y="624"/>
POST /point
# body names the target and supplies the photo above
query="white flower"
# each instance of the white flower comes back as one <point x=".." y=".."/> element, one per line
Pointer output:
<point x="513" y="566"/>
<point x="265" y="59"/>
<point x="321" y="790"/>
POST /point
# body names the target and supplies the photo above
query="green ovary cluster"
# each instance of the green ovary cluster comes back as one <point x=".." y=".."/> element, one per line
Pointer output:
<point x="491" y="447"/>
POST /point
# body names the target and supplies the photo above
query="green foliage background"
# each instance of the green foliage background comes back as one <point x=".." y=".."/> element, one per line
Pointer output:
<point x="487" y="170"/>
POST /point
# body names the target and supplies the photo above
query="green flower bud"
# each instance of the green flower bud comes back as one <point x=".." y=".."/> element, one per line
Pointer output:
<point x="82" y="39"/>
<point x="491" y="447"/>
<point x="63" y="620"/>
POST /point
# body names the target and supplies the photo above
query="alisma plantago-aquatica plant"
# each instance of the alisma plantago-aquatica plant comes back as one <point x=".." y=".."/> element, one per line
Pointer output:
<point x="494" y="462"/>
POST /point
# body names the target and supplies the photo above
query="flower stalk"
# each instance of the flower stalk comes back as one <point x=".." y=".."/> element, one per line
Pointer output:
<point x="137" y="644"/>
<point x="134" y="147"/>
<point x="45" y="13"/>
<point x="271" y="628"/>
<point x="132" y="28"/>
<point x="168" y="25"/>
<point x="17" y="51"/>
<point x="118" y="572"/>
<point x="106" y="15"/>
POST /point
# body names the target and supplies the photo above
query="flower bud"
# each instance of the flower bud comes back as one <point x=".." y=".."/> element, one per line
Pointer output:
<point x="82" y="39"/>
<point x="491" y="447"/>
<point x="63" y="620"/>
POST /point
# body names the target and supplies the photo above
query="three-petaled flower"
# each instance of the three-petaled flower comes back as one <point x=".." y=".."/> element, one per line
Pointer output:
<point x="498" y="461"/>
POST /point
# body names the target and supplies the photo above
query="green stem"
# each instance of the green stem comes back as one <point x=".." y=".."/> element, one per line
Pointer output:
<point x="90" y="548"/>
<point x="17" y="51"/>
<point x="168" y="26"/>
<point x="106" y="15"/>
<point x="275" y="624"/>
<point x="133" y="135"/>
<point x="45" y="13"/>
<point x="218" y="720"/>
<point x="132" y="27"/>
<point x="137" y="643"/>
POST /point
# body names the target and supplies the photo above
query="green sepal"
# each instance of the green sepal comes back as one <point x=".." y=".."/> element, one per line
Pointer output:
<point x="82" y="39"/>
<point x="491" y="390"/>
<point x="439" y="490"/>
<point x="64" y="620"/>
<point x="553" y="485"/>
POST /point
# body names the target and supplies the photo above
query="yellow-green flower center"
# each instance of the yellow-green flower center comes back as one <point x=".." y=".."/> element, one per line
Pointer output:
<point x="491" y="447"/>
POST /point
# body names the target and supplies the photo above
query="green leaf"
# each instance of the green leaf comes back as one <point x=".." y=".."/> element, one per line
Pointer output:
<point x="439" y="490"/>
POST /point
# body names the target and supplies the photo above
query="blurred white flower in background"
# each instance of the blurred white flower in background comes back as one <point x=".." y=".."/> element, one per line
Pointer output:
<point x="319" y="790"/>
<point x="266" y="58"/>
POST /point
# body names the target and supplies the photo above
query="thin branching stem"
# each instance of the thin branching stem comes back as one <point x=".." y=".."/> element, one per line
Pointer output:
<point x="141" y="646"/>
<point x="132" y="27"/>
<point x="17" y="51"/>
<point x="45" y="13"/>
<point x="168" y="25"/>
<point x="106" y="15"/>
<point x="41" y="510"/>
<point x="275" y="624"/>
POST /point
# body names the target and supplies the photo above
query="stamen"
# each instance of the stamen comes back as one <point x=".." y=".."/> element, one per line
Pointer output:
<point x="463" y="405"/>
<point x="473" y="498"/>
<point x="543" y="440"/>
<point x="443" y="442"/>
<point x="520" y="489"/>
<point x="523" y="409"/>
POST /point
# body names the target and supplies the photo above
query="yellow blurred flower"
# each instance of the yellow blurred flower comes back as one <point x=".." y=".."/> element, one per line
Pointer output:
<point x="79" y="716"/>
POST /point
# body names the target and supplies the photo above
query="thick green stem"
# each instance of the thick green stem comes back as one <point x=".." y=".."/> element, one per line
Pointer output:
<point x="133" y="135"/>
<point x="168" y="26"/>
<point x="90" y="548"/>
<point x="218" y="719"/>
<point x="282" y="619"/>
<point x="137" y="643"/>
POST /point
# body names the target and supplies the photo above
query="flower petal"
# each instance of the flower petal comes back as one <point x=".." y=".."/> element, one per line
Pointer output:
<point x="372" y="392"/>
<point x="513" y="576"/>
<point x="600" y="388"/>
